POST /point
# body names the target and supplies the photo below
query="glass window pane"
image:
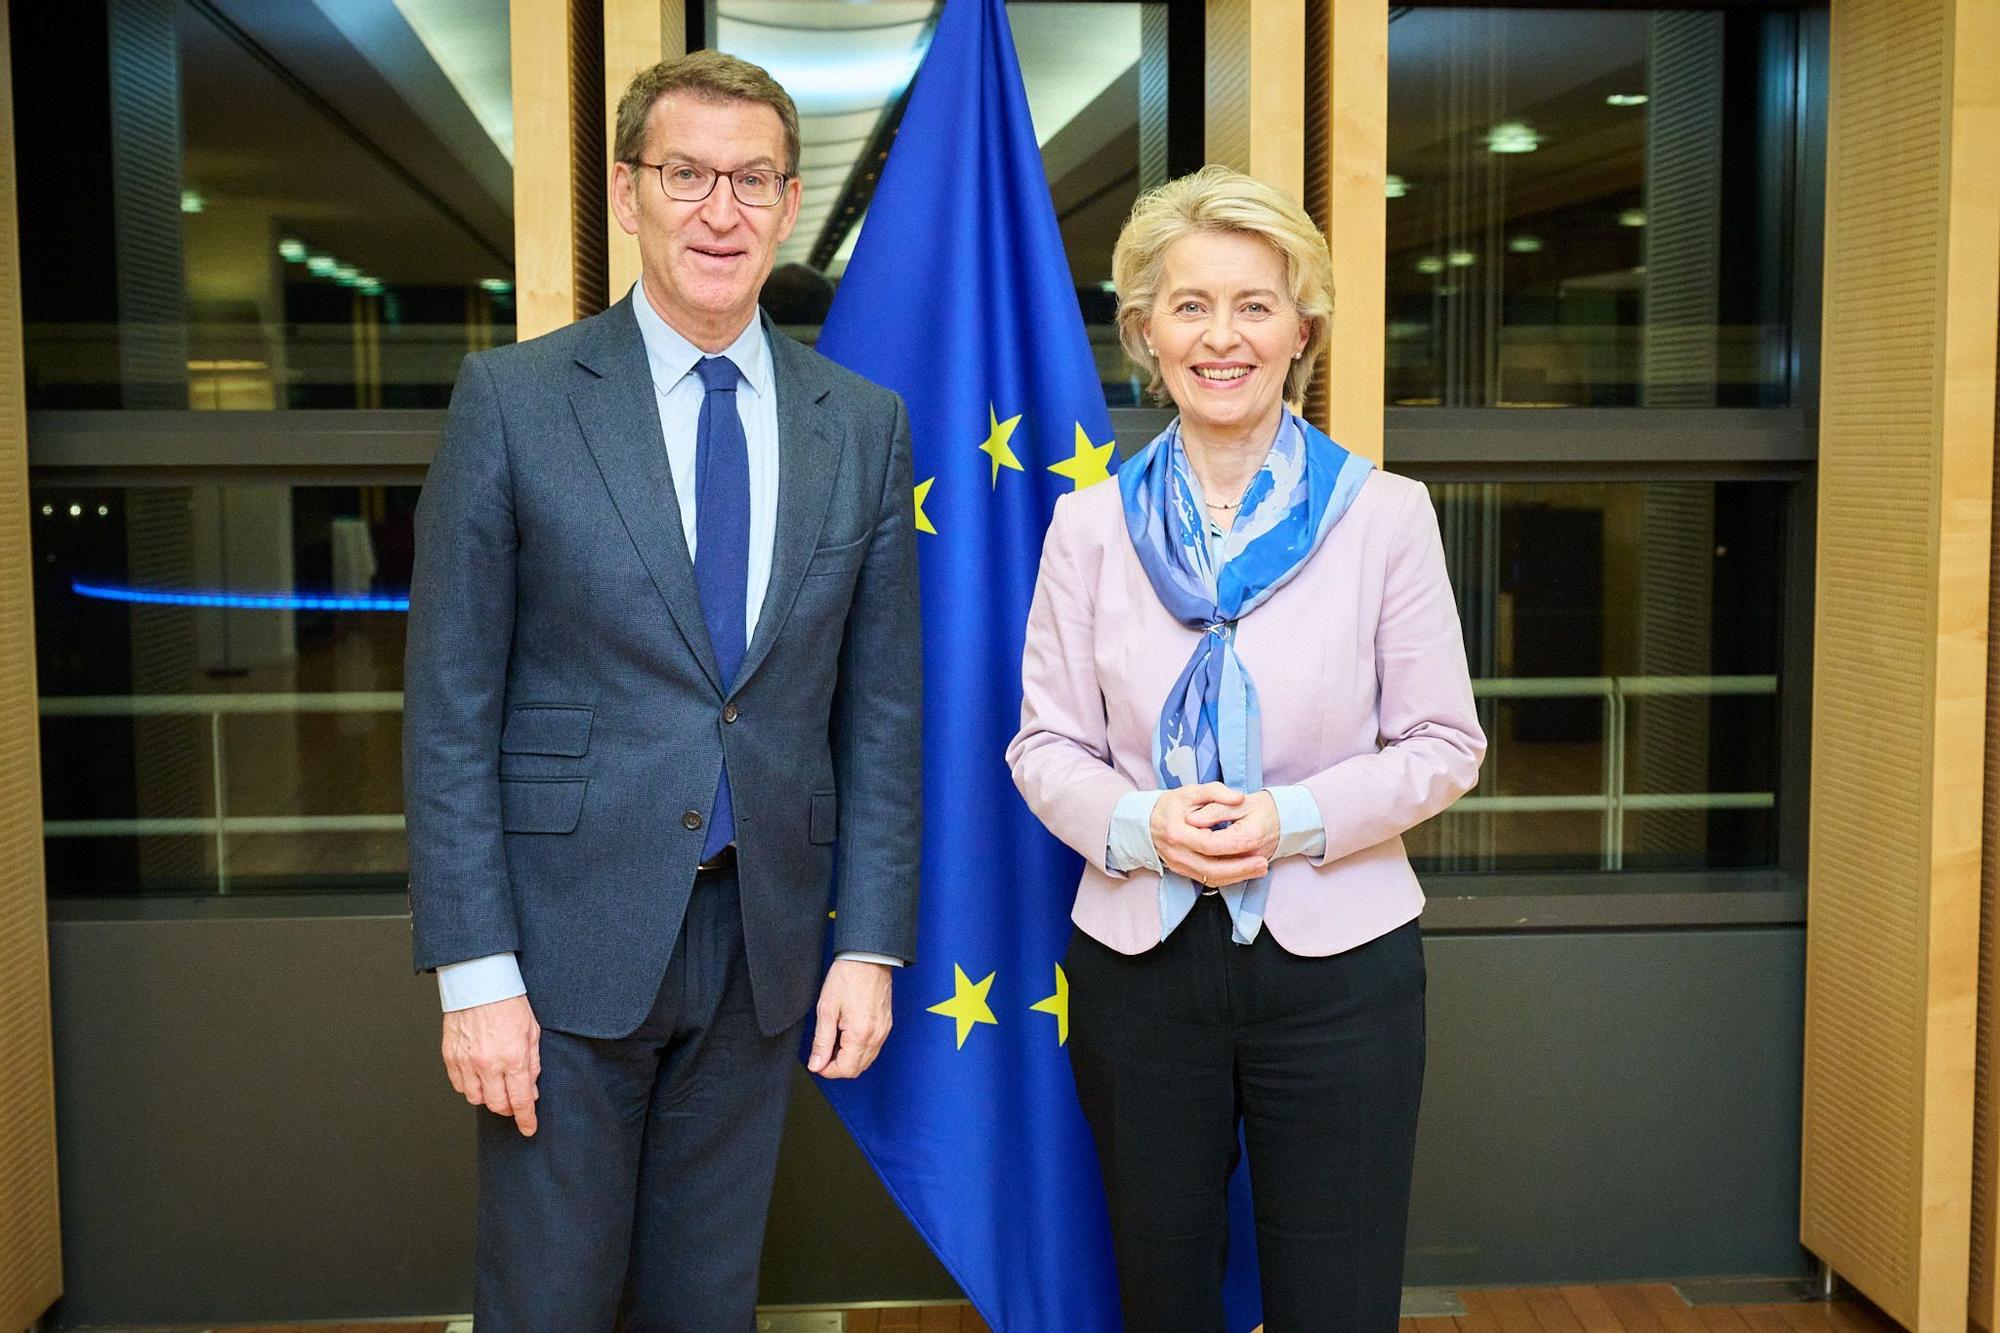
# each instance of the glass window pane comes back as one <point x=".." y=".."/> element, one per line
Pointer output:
<point x="1592" y="207"/>
<point x="1098" y="93"/>
<point x="1625" y="642"/>
<point x="221" y="674"/>
<point x="290" y="204"/>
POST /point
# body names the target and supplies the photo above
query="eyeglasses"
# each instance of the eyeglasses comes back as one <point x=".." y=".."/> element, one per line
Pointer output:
<point x="756" y="187"/>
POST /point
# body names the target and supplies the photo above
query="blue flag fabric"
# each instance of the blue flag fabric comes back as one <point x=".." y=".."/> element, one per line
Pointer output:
<point x="958" y="296"/>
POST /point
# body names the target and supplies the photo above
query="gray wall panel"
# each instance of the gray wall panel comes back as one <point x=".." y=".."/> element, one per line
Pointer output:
<point x="253" y="1124"/>
<point x="1620" y="1104"/>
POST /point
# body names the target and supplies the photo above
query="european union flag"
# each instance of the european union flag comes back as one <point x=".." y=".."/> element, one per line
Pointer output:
<point x="958" y="296"/>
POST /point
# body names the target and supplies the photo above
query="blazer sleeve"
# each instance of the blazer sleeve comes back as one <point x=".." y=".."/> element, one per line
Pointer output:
<point x="1430" y="738"/>
<point x="1061" y="757"/>
<point x="877" y="728"/>
<point x="461" y="627"/>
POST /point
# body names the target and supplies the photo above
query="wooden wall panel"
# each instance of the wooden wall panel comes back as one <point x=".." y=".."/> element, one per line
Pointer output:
<point x="590" y="200"/>
<point x="1984" y="1303"/>
<point x="30" y="1256"/>
<point x="1256" y="89"/>
<point x="1346" y="171"/>
<point x="560" y="208"/>
<point x="637" y="34"/>
<point x="1226" y="132"/>
<point x="544" y="231"/>
<point x="1905" y="501"/>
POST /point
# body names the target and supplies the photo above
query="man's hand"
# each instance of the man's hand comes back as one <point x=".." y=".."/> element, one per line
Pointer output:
<point x="1188" y="842"/>
<point x="853" y="1019"/>
<point x="493" y="1053"/>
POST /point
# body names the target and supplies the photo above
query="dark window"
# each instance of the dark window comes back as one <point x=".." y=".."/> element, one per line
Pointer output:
<point x="1593" y="208"/>
<point x="221" y="672"/>
<point x="232" y="206"/>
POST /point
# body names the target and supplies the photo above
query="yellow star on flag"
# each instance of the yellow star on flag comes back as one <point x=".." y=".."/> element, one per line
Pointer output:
<point x="967" y="1004"/>
<point x="1057" y="1004"/>
<point x="998" y="432"/>
<point x="1091" y="463"/>
<point x="923" y="519"/>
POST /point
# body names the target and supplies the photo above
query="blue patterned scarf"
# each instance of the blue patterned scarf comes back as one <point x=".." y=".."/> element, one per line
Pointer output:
<point x="1210" y="728"/>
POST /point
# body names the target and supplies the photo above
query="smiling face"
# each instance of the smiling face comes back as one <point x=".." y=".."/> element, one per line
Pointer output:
<point x="705" y="262"/>
<point x="1225" y="330"/>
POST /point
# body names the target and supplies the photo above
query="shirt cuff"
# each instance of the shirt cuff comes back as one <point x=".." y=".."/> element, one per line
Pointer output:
<point x="863" y="956"/>
<point x="480" y="981"/>
<point x="1301" y="830"/>
<point x="1130" y="843"/>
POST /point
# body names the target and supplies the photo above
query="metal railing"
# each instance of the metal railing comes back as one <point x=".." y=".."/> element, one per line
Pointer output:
<point x="1611" y="804"/>
<point x="221" y="824"/>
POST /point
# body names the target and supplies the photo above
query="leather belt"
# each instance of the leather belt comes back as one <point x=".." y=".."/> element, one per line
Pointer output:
<point x="721" y="861"/>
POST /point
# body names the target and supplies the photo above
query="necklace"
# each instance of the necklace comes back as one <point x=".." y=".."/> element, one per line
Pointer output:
<point x="1237" y="503"/>
<point x="1226" y="505"/>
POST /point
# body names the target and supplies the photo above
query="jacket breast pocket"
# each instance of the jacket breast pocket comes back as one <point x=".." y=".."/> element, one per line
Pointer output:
<point x="842" y="559"/>
<point x="825" y="819"/>
<point x="541" y="805"/>
<point x="559" y="729"/>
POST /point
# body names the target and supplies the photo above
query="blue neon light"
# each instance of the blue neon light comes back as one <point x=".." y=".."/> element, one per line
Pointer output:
<point x="283" y="601"/>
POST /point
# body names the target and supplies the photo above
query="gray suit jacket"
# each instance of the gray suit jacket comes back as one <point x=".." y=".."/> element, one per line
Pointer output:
<point x="564" y="719"/>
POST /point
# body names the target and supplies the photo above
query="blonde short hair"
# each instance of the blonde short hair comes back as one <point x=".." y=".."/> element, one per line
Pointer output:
<point x="709" y="76"/>
<point x="1218" y="199"/>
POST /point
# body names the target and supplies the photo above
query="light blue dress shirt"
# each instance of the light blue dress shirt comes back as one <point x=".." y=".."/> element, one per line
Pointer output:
<point x="1129" y="846"/>
<point x="678" y="394"/>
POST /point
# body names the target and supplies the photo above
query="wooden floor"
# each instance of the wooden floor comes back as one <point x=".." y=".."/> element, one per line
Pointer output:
<point x="1647" y="1309"/>
<point x="1638" y="1309"/>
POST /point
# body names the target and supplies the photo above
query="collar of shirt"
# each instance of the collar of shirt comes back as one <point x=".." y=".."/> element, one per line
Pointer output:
<point x="672" y="356"/>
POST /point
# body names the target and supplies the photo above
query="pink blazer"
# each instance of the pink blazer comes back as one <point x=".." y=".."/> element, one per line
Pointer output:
<point x="1360" y="671"/>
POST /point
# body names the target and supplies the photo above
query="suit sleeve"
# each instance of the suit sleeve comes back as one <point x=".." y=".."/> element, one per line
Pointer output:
<point x="876" y="729"/>
<point x="1061" y="757"/>
<point x="1430" y="738"/>
<point x="461" y="629"/>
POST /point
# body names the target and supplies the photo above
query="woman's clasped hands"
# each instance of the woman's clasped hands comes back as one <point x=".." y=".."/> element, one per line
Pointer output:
<point x="1214" y="834"/>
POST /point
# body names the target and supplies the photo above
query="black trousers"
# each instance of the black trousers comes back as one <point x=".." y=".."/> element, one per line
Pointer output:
<point x="641" y="1200"/>
<point x="1321" y="1061"/>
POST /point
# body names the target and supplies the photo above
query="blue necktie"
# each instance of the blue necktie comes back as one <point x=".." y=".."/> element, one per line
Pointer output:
<point x="722" y="545"/>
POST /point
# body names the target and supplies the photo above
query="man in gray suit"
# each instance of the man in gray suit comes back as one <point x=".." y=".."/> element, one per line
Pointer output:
<point x="663" y="660"/>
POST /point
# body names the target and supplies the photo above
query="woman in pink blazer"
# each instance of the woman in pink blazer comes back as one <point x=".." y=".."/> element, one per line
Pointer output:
<point x="1243" y="680"/>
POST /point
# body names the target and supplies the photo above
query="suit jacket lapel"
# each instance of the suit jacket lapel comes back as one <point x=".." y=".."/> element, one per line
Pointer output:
<point x="620" y="420"/>
<point x="808" y="457"/>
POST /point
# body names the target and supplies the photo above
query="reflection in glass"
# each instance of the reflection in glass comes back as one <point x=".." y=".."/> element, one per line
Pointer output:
<point x="289" y="204"/>
<point x="1625" y="640"/>
<point x="1592" y="207"/>
<point x="221" y="685"/>
<point x="1625" y="643"/>
<point x="1096" y="78"/>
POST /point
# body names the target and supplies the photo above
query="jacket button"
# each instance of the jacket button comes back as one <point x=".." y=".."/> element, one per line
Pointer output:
<point x="729" y="712"/>
<point x="691" y="820"/>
